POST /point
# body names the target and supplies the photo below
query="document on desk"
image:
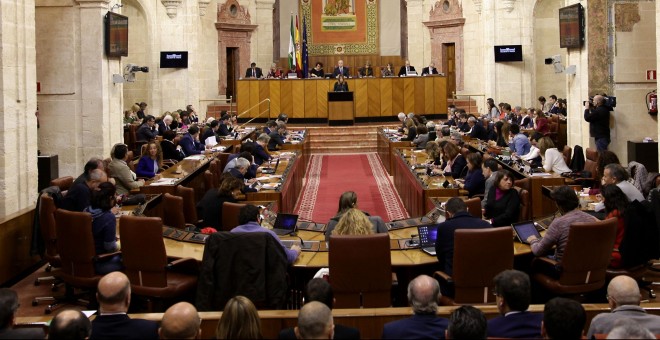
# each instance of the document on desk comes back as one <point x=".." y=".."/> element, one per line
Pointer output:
<point x="164" y="181"/>
<point x="271" y="186"/>
<point x="219" y="148"/>
<point x="196" y="157"/>
<point x="541" y="174"/>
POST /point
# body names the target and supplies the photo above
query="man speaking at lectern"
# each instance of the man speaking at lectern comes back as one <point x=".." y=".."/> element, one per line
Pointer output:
<point x="341" y="85"/>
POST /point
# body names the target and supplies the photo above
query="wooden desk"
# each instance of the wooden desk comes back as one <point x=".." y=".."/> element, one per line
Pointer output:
<point x="387" y="144"/>
<point x="292" y="171"/>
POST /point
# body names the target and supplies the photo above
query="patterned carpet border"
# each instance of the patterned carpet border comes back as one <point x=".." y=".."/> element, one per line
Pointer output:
<point x="391" y="199"/>
<point x="311" y="188"/>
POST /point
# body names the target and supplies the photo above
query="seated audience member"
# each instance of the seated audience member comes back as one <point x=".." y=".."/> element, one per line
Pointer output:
<point x="455" y="164"/>
<point x="474" y="180"/>
<point x="405" y="69"/>
<point x="462" y="123"/>
<point x="8" y="307"/>
<point x="433" y="152"/>
<point x="317" y="71"/>
<point x="505" y="112"/>
<point x="147" y="131"/>
<point x="541" y="125"/>
<point x="260" y="154"/>
<point x="282" y="118"/>
<point x="92" y="164"/>
<point x="112" y="322"/>
<point x="320" y="290"/>
<point x="534" y="154"/>
<point x="347" y="201"/>
<point x="503" y="206"/>
<point x="69" y="324"/>
<point x="477" y="129"/>
<point x="239" y="320"/>
<point x="387" y="71"/>
<point x="124" y="177"/>
<point x="277" y="139"/>
<point x="225" y="127"/>
<point x="553" y="160"/>
<point x="152" y="159"/>
<point x="181" y="321"/>
<point x="104" y="227"/>
<point x="141" y="107"/>
<point x="129" y="117"/>
<point x="410" y="130"/>
<point x="190" y="142"/>
<point x="563" y="319"/>
<point x="606" y="157"/>
<point x="211" y="131"/>
<point x="467" y="322"/>
<point x="271" y="126"/>
<point x="488" y="169"/>
<point x="457" y="218"/>
<point x="250" y="222"/>
<point x="422" y="137"/>
<point x="170" y="151"/>
<point x="514" y="293"/>
<point x="616" y="174"/>
<point x="252" y="169"/>
<point x="629" y="329"/>
<point x="209" y="208"/>
<point x="616" y="203"/>
<point x="502" y="132"/>
<point x="423" y="297"/>
<point x="557" y="234"/>
<point x="623" y="297"/>
<point x="353" y="222"/>
<point x="315" y="322"/>
<point x="431" y="128"/>
<point x="341" y="85"/>
<point x="402" y="118"/>
<point x="520" y="144"/>
<point x="194" y="118"/>
<point x="80" y="194"/>
<point x="239" y="171"/>
<point x="366" y="71"/>
<point x="165" y="124"/>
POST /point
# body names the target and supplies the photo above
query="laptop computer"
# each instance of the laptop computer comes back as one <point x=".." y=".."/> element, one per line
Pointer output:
<point x="524" y="230"/>
<point x="428" y="234"/>
<point x="269" y="170"/>
<point x="285" y="224"/>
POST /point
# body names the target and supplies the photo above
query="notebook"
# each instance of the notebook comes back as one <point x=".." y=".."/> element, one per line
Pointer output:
<point x="285" y="224"/>
<point x="524" y="230"/>
<point x="428" y="234"/>
<point x="271" y="170"/>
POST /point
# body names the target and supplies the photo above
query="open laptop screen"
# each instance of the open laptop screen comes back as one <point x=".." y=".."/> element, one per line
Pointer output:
<point x="428" y="234"/>
<point x="286" y="222"/>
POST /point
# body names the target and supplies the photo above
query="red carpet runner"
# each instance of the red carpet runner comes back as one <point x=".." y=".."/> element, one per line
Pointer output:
<point x="328" y="176"/>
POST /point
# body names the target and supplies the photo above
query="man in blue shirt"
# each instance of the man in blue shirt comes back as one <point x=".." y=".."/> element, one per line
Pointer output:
<point x="520" y="144"/>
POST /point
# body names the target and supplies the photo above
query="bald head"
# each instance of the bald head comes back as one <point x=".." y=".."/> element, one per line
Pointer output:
<point x="70" y="324"/>
<point x="599" y="100"/>
<point x="181" y="321"/>
<point x="423" y="294"/>
<point x="114" y="292"/>
<point x="624" y="291"/>
<point x="315" y="322"/>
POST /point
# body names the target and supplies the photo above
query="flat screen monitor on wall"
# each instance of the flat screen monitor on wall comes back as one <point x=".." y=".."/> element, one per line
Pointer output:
<point x="174" y="59"/>
<point x="571" y="26"/>
<point x="116" y="35"/>
<point x="507" y="53"/>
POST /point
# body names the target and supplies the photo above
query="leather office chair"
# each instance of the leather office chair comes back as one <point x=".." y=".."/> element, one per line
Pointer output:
<point x="209" y="180"/>
<point x="230" y="215"/>
<point x="47" y="226"/>
<point x="568" y="154"/>
<point x="250" y="264"/>
<point x="151" y="273"/>
<point x="189" y="206"/>
<point x="591" y="154"/>
<point x="524" y="188"/>
<point x="474" y="270"/>
<point x="64" y="183"/>
<point x="173" y="211"/>
<point x="474" y="206"/>
<point x="222" y="162"/>
<point x="583" y="266"/>
<point x="361" y="270"/>
<point x="214" y="167"/>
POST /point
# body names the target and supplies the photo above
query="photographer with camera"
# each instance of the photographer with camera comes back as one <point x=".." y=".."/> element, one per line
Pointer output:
<point x="598" y="116"/>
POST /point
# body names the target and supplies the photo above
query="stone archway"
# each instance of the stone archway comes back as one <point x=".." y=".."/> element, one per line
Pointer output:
<point x="445" y="24"/>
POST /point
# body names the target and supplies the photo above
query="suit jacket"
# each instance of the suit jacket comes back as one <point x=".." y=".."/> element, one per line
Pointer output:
<point x="518" y="325"/>
<point x="146" y="167"/>
<point x="190" y="146"/>
<point x="426" y="71"/>
<point x="505" y="210"/>
<point x="444" y="245"/>
<point x="343" y="87"/>
<point x="366" y="72"/>
<point x="123" y="176"/>
<point x="122" y="327"/>
<point x="170" y="151"/>
<point x="402" y="70"/>
<point x="248" y="72"/>
<point x="224" y="130"/>
<point x="162" y="127"/>
<point x="341" y="332"/>
<point x="77" y="198"/>
<point x="479" y="131"/>
<point x="208" y="133"/>
<point x="599" y="121"/>
<point x="602" y="323"/>
<point x="260" y="155"/>
<point x="344" y="71"/>
<point x="416" y="327"/>
<point x="145" y="133"/>
<point x="275" y="140"/>
<point x="28" y="333"/>
<point x="209" y="208"/>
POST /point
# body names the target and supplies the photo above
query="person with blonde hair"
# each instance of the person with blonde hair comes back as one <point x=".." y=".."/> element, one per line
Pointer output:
<point x="347" y="202"/>
<point x="353" y="222"/>
<point x="151" y="160"/>
<point x="553" y="160"/>
<point x="239" y="320"/>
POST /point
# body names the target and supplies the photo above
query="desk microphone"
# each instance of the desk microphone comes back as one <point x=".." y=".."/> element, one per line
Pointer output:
<point x="302" y="243"/>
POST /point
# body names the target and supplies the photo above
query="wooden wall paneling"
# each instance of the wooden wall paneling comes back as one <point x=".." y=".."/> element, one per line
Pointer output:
<point x="298" y="94"/>
<point x="360" y="97"/>
<point x="264" y="93"/>
<point x="440" y="89"/>
<point x="322" y="98"/>
<point x="429" y="96"/>
<point x="275" y="99"/>
<point x="386" y="99"/>
<point x="243" y="99"/>
<point x="420" y="85"/>
<point x="254" y="99"/>
<point x="397" y="96"/>
<point x="373" y="97"/>
<point x="408" y="95"/>
<point x="15" y="238"/>
<point x="310" y="98"/>
<point x="286" y="98"/>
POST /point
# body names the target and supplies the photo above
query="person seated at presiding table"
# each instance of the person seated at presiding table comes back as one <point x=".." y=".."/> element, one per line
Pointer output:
<point x="259" y="152"/>
<point x="454" y="164"/>
<point x="170" y="151"/>
<point x="239" y="320"/>
<point x="556" y="236"/>
<point x="430" y="69"/>
<point x="366" y="71"/>
<point x="147" y="131"/>
<point x="616" y="203"/>
<point x="209" y="208"/>
<point x="151" y="161"/>
<point x="317" y="71"/>
<point x="513" y="294"/>
<point x="423" y="297"/>
<point x="250" y="222"/>
<point x="519" y="144"/>
<point x="422" y="137"/>
<point x="79" y="196"/>
<point x="340" y="70"/>
<point x="130" y="117"/>
<point x="348" y="201"/>
<point x="274" y="72"/>
<point x="341" y="85"/>
<point x="503" y="206"/>
<point x="254" y="72"/>
<point x="190" y="142"/>
<point x="553" y="160"/>
<point x="8" y="307"/>
<point x="277" y="137"/>
<point x="387" y="71"/>
<point x="406" y="69"/>
<point x="475" y="181"/>
<point x="125" y="178"/>
<point x="104" y="227"/>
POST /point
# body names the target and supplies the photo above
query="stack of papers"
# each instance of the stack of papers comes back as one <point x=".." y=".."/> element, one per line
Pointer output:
<point x="165" y="181"/>
<point x="196" y="157"/>
<point x="270" y="186"/>
<point x="219" y="148"/>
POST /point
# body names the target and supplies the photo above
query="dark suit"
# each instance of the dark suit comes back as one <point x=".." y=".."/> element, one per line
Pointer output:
<point x="237" y="174"/>
<point x="505" y="210"/>
<point x="402" y="70"/>
<point x="523" y="325"/>
<point x="479" y="131"/>
<point x="444" y="246"/>
<point x="250" y="74"/>
<point x="341" y="332"/>
<point x="145" y="133"/>
<point x="275" y="140"/>
<point x="25" y="333"/>
<point x="224" y="130"/>
<point x="190" y="146"/>
<point x="343" y="71"/>
<point x="366" y="72"/>
<point x="77" y="198"/>
<point x="418" y="326"/>
<point x="122" y="327"/>
<point x="170" y="151"/>
<point x="260" y="155"/>
<point x="162" y="128"/>
<point x="426" y="71"/>
<point x="208" y="133"/>
<point x="343" y="87"/>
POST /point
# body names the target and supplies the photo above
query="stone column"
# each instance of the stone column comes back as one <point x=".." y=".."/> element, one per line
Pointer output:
<point x="416" y="29"/>
<point x="18" y="104"/>
<point x="263" y="36"/>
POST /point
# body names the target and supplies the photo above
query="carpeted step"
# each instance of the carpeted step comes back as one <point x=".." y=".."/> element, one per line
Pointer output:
<point x="343" y="149"/>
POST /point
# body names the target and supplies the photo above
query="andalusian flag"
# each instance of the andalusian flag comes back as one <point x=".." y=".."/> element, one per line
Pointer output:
<point x="292" y="48"/>
<point x="298" y="56"/>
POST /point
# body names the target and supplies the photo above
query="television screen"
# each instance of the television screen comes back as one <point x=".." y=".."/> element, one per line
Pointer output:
<point x="571" y="26"/>
<point x="116" y="35"/>
<point x="506" y="53"/>
<point x="174" y="59"/>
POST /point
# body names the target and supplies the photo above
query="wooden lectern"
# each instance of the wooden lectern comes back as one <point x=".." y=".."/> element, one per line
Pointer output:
<point x="340" y="108"/>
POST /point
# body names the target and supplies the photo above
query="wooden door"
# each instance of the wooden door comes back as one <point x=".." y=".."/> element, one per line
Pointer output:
<point x="232" y="71"/>
<point x="449" y="57"/>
